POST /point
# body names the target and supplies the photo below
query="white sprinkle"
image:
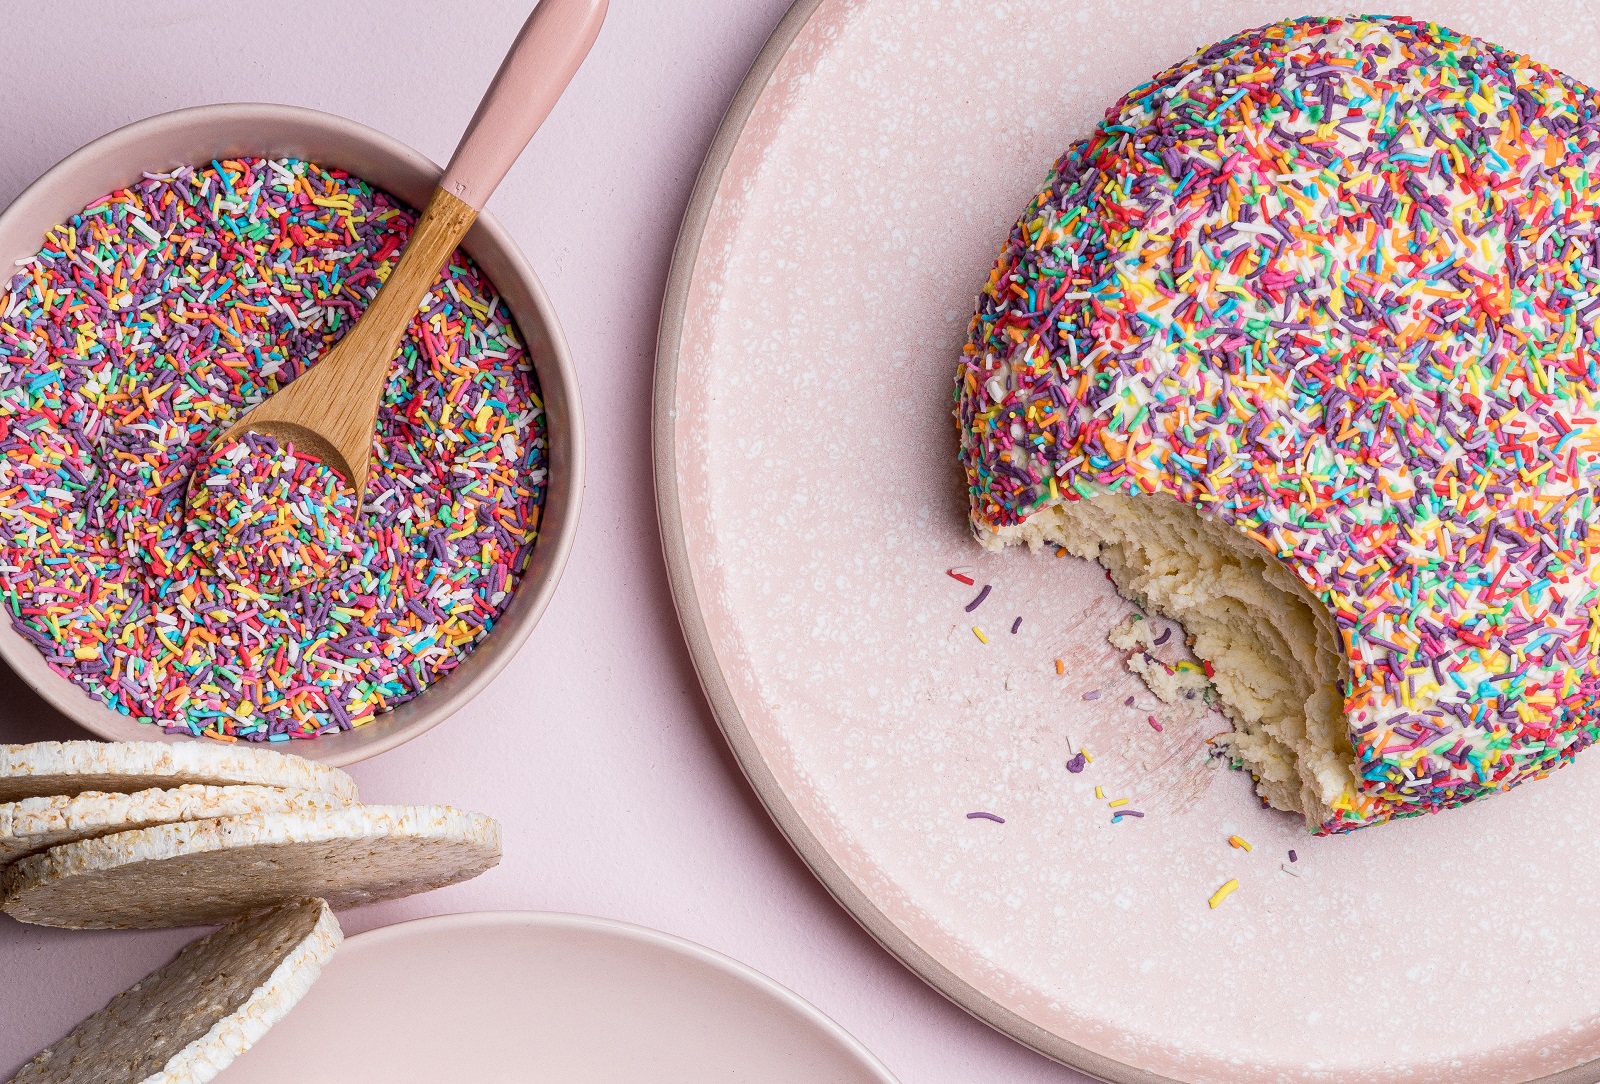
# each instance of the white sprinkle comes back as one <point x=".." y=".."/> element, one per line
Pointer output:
<point x="144" y="227"/>
<point x="1172" y="91"/>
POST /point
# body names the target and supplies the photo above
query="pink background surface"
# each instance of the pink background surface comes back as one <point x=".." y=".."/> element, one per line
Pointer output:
<point x="595" y="747"/>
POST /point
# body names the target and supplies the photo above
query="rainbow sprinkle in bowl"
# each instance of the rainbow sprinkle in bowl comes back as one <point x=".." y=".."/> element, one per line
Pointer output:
<point x="388" y="709"/>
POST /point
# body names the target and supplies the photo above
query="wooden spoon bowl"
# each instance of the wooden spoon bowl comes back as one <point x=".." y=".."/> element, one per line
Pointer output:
<point x="331" y="409"/>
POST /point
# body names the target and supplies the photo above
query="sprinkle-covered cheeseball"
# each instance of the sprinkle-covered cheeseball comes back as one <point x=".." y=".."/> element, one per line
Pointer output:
<point x="1331" y="284"/>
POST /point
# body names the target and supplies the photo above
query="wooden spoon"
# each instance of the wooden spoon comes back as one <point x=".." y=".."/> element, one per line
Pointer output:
<point x="330" y="410"/>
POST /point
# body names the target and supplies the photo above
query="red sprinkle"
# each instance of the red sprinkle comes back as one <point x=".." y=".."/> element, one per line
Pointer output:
<point x="1155" y="724"/>
<point x="954" y="575"/>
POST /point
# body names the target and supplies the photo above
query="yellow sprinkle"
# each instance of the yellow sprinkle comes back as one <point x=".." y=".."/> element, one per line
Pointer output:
<point x="1119" y="801"/>
<point x="1223" y="893"/>
<point x="976" y="631"/>
<point x="1239" y="842"/>
<point x="1086" y="755"/>
<point x="1098" y="793"/>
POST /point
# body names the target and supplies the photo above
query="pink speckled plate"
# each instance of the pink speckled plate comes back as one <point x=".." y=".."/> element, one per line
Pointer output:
<point x="863" y="181"/>
<point x="530" y="997"/>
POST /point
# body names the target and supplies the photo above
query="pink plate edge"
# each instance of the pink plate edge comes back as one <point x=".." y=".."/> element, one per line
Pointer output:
<point x="708" y="666"/>
<point x="628" y="931"/>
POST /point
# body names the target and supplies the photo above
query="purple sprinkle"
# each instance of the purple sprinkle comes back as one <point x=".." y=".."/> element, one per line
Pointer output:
<point x="986" y="816"/>
<point x="1119" y="814"/>
<point x="1015" y="625"/>
<point x="1128" y="703"/>
<point x="975" y="603"/>
<point x="1166" y="634"/>
<point x="1075" y="765"/>
<point x="1092" y="696"/>
<point x="1293" y="857"/>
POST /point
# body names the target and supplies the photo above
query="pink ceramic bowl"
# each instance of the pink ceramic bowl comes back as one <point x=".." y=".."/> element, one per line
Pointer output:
<point x="204" y="133"/>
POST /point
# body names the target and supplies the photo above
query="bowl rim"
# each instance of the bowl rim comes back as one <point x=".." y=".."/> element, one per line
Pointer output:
<point x="558" y="388"/>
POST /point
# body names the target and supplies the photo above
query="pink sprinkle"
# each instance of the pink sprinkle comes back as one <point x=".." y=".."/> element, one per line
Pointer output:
<point x="1154" y="723"/>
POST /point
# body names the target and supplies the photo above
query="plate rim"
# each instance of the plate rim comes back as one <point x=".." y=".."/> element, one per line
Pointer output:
<point x="708" y="668"/>
<point x="633" y="932"/>
<point x="685" y="597"/>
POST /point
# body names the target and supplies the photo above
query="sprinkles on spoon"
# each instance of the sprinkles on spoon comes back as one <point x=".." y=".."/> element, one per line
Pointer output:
<point x="270" y="517"/>
<point x="136" y="335"/>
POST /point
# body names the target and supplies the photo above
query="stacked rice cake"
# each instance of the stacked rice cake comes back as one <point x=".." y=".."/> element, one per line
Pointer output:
<point x="145" y="834"/>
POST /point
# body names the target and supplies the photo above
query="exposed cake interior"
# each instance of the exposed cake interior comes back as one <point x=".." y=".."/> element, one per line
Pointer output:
<point x="1275" y="653"/>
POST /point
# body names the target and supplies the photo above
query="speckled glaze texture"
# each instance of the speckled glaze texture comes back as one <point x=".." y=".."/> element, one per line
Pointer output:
<point x="821" y="505"/>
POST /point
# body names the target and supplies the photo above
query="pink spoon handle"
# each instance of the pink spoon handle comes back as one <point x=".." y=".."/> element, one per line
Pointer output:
<point x="541" y="63"/>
